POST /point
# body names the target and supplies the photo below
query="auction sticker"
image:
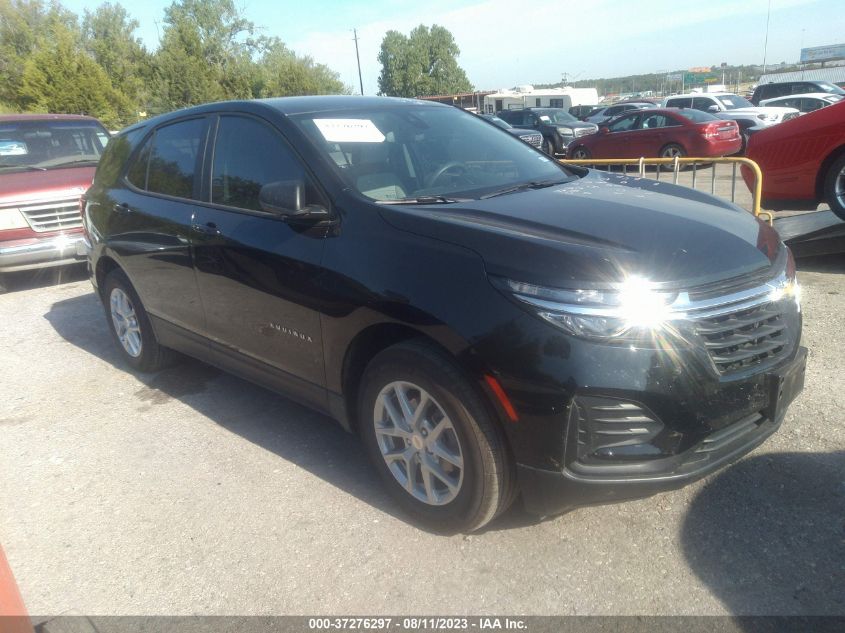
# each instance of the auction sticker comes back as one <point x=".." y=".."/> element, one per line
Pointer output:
<point x="349" y="131"/>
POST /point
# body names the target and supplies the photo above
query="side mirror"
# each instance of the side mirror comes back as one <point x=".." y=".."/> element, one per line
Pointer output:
<point x="713" y="108"/>
<point x="286" y="198"/>
<point x="604" y="129"/>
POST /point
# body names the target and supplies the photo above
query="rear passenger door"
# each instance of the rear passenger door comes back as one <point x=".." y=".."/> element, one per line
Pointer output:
<point x="258" y="271"/>
<point x="151" y="218"/>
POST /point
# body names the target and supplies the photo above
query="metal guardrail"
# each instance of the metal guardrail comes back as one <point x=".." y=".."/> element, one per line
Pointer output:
<point x="677" y="162"/>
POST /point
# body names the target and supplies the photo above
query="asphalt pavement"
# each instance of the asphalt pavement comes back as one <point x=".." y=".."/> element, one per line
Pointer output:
<point x="190" y="491"/>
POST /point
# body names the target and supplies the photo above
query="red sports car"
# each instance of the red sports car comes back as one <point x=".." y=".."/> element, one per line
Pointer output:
<point x="803" y="161"/>
<point x="661" y="132"/>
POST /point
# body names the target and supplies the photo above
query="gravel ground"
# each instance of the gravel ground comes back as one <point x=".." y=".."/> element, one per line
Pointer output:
<point x="193" y="492"/>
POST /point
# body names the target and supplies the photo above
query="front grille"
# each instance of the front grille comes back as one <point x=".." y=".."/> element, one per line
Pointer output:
<point x="791" y="115"/>
<point x="535" y="139"/>
<point x="744" y="339"/>
<point x="53" y="216"/>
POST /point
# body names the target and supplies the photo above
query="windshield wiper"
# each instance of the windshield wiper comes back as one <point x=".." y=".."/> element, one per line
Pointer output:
<point x="524" y="186"/>
<point x="73" y="161"/>
<point x="424" y="200"/>
<point x="26" y="167"/>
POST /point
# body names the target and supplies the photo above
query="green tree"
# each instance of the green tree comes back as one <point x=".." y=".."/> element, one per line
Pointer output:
<point x="284" y="73"/>
<point x="108" y="35"/>
<point x="421" y="64"/>
<point x="205" y="54"/>
<point x="60" y="77"/>
<point x="23" y="25"/>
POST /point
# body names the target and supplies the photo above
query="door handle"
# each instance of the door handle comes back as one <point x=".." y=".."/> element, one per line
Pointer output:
<point x="209" y="228"/>
<point x="122" y="207"/>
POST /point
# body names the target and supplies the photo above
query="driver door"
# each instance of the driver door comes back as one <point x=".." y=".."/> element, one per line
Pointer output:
<point x="259" y="273"/>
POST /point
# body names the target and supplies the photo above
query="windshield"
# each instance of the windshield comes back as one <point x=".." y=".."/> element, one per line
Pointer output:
<point x="49" y="144"/>
<point x="419" y="152"/>
<point x="732" y="102"/>
<point x="554" y="116"/>
<point x="826" y="86"/>
<point x="500" y="122"/>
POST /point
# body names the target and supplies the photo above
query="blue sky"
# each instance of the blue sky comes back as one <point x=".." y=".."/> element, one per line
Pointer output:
<point x="505" y="42"/>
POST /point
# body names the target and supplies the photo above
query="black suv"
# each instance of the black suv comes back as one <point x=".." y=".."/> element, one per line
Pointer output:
<point x="558" y="127"/>
<point x="489" y="321"/>
<point x="786" y="88"/>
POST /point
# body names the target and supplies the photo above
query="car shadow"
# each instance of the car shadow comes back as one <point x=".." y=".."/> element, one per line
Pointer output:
<point x="295" y="433"/>
<point x="768" y="535"/>
<point x="821" y="264"/>
<point x="43" y="277"/>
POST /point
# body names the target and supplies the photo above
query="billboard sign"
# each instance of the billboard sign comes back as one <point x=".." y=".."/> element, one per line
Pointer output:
<point x="822" y="53"/>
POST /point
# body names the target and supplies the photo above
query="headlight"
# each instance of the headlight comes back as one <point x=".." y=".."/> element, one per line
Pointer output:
<point x="12" y="219"/>
<point x="565" y="131"/>
<point x="767" y="117"/>
<point x="584" y="131"/>
<point x="631" y="307"/>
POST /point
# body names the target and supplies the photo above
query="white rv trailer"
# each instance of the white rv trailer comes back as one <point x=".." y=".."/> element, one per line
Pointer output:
<point x="529" y="97"/>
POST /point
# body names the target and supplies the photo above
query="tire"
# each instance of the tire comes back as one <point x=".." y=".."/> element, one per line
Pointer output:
<point x="834" y="187"/>
<point x="479" y="471"/>
<point x="548" y="147"/>
<point x="4" y="288"/>
<point x="125" y="313"/>
<point x="581" y="153"/>
<point x="670" y="151"/>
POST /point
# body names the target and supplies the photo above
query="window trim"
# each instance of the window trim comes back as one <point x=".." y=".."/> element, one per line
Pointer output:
<point x="211" y="147"/>
<point x="199" y="167"/>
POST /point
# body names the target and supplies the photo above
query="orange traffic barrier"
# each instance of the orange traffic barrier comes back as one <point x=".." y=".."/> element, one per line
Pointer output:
<point x="13" y="614"/>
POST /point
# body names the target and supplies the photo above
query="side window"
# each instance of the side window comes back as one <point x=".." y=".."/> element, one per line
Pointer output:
<point x="701" y="103"/>
<point x="173" y="158"/>
<point x="250" y="156"/>
<point x="808" y="105"/>
<point x="625" y="123"/>
<point x="612" y="111"/>
<point x="137" y="173"/>
<point x="679" y="103"/>
<point x="652" y="121"/>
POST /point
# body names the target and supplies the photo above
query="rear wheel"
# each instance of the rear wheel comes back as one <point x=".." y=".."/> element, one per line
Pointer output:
<point x="130" y="326"/>
<point x="432" y="441"/>
<point x="834" y="187"/>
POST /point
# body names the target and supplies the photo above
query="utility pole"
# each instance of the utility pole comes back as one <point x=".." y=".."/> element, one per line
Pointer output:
<point x="358" y="57"/>
<point x="766" y="41"/>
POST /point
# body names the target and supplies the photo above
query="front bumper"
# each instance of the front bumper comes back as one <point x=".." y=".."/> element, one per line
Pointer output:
<point x="42" y="252"/>
<point x="547" y="492"/>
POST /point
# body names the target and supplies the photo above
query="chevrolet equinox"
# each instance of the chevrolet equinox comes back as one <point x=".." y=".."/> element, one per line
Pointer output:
<point x="492" y="323"/>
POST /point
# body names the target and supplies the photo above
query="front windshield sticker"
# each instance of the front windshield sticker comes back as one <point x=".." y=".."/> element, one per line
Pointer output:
<point x="544" y="118"/>
<point x="349" y="131"/>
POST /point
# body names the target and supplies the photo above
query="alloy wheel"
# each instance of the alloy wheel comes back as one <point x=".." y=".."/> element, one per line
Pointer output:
<point x="839" y="187"/>
<point x="419" y="443"/>
<point x="125" y="322"/>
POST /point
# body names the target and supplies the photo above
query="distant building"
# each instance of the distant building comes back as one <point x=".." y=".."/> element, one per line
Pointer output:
<point x="528" y="97"/>
<point x="472" y="101"/>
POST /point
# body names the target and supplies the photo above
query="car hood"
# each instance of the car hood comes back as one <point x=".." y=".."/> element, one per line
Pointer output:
<point x="600" y="229"/>
<point x="574" y="124"/>
<point x="521" y="132"/>
<point x="24" y="187"/>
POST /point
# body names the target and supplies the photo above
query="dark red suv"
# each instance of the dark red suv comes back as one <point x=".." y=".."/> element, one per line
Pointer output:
<point x="47" y="162"/>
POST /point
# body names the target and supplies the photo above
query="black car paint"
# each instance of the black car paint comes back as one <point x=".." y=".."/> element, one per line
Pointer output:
<point x="288" y="304"/>
<point x="550" y="132"/>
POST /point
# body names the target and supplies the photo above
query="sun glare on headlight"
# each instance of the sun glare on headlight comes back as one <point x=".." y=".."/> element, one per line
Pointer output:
<point x="640" y="306"/>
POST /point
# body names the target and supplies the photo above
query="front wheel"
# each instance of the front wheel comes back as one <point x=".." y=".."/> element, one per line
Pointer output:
<point x="673" y="150"/>
<point x="548" y="147"/>
<point x="432" y="441"/>
<point x="834" y="187"/>
<point x="581" y="153"/>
